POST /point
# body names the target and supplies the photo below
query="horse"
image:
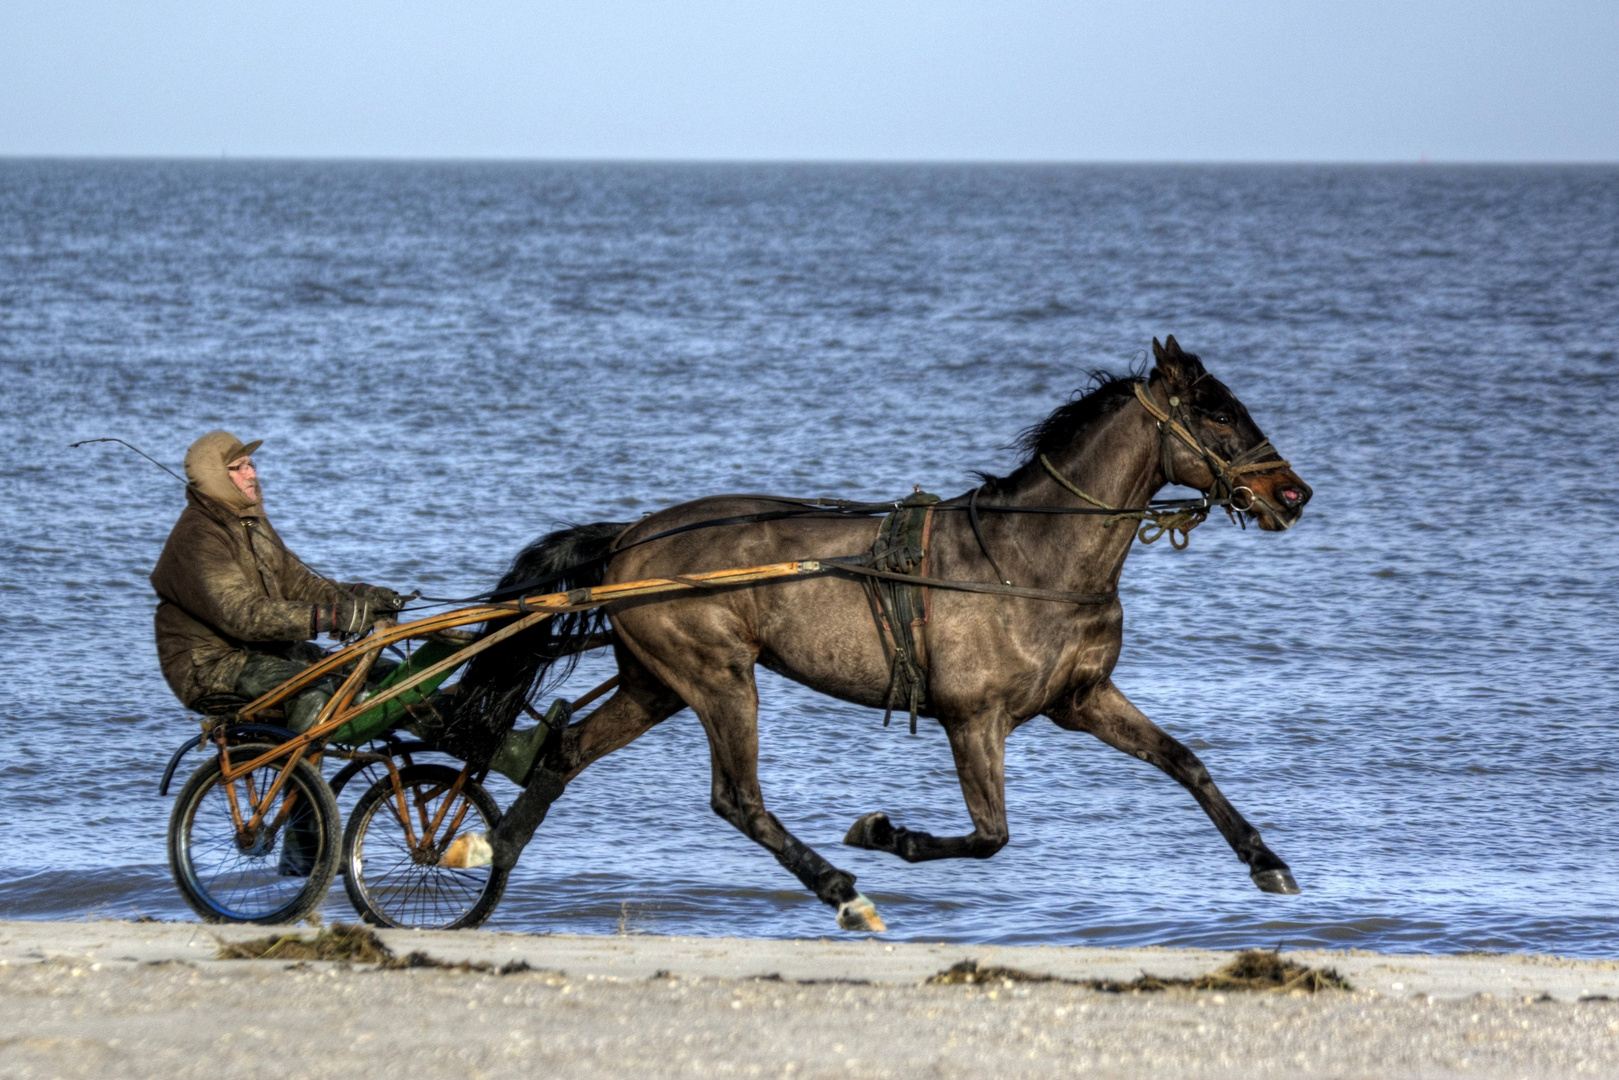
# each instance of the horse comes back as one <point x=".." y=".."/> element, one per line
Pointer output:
<point x="1046" y="646"/>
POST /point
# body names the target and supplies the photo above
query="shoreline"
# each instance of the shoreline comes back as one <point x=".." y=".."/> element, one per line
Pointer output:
<point x="848" y="958"/>
<point x="150" y="999"/>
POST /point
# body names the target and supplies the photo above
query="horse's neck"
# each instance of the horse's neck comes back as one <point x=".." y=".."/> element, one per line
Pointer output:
<point x="1116" y="464"/>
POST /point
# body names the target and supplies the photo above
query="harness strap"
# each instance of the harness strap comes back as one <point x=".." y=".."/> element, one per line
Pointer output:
<point x="850" y="565"/>
<point x="901" y="548"/>
<point x="978" y="534"/>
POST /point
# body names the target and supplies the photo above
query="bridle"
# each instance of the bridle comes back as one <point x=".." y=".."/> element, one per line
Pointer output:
<point x="1228" y="489"/>
<point x="1178" y="518"/>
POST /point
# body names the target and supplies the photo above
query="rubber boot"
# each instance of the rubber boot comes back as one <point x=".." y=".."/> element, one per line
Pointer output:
<point x="519" y="750"/>
<point x="303" y="709"/>
<point x="514" y="759"/>
<point x="518" y="758"/>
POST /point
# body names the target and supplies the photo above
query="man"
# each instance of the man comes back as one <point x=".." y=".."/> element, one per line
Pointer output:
<point x="237" y="609"/>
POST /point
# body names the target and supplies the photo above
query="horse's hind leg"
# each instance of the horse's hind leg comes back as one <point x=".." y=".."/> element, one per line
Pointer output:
<point x="1106" y="713"/>
<point x="727" y="702"/>
<point x="639" y="703"/>
<point x="979" y="748"/>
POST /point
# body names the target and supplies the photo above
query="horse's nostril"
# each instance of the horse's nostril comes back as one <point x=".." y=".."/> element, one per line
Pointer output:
<point x="1291" y="497"/>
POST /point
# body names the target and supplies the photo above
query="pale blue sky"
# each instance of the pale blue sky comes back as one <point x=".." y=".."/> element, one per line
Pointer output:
<point x="1269" y="80"/>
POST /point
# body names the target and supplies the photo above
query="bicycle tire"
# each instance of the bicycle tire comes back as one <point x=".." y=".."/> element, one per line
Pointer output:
<point x="407" y="892"/>
<point x="268" y="883"/>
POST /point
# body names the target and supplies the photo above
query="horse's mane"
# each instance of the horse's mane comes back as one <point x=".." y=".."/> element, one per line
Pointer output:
<point x="1104" y="393"/>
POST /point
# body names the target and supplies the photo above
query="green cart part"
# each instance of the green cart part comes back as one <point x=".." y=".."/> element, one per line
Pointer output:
<point x="373" y="722"/>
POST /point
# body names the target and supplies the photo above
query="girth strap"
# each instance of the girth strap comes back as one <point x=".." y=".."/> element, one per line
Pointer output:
<point x="895" y="573"/>
<point x="978" y="534"/>
<point x="899" y="555"/>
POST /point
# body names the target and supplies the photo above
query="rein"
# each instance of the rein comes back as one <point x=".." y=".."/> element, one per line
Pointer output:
<point x="1174" y="517"/>
<point x="851" y="565"/>
<point x="830" y="509"/>
<point x="1155" y="522"/>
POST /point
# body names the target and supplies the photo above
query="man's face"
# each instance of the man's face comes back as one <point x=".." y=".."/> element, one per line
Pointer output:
<point x="245" y="478"/>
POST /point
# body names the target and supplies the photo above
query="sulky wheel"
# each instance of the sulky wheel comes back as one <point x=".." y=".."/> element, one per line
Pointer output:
<point x="437" y="882"/>
<point x="275" y="872"/>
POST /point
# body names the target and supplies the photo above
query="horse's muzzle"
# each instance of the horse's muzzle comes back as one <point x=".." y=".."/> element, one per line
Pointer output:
<point x="1279" y="499"/>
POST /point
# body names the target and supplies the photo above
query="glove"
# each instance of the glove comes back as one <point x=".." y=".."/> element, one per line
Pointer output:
<point x="381" y="597"/>
<point x="346" y="617"/>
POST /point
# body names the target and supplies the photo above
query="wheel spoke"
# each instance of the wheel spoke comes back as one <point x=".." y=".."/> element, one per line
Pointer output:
<point x="221" y="879"/>
<point x="386" y="878"/>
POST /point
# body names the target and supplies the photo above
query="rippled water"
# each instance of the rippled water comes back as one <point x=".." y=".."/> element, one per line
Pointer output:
<point x="1412" y="694"/>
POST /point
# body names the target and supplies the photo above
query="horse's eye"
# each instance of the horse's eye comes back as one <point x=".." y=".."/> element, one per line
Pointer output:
<point x="1222" y="418"/>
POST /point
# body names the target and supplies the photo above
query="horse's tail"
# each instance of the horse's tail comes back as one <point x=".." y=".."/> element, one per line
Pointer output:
<point x="500" y="679"/>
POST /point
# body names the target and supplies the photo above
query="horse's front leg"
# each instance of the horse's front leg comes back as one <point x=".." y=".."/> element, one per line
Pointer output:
<point x="979" y="747"/>
<point x="1111" y="717"/>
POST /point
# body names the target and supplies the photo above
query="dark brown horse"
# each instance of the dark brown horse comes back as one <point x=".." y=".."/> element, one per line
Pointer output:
<point x="992" y="662"/>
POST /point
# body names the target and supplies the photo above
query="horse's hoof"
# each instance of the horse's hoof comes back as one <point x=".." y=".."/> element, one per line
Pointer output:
<point x="1276" y="881"/>
<point x="869" y="832"/>
<point x="467" y="851"/>
<point x="860" y="915"/>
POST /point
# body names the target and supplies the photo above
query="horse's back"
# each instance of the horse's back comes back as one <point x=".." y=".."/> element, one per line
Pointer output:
<point x="734" y="531"/>
<point x="815" y="630"/>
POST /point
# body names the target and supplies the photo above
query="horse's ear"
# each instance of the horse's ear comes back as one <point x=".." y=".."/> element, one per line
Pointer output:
<point x="1178" y="367"/>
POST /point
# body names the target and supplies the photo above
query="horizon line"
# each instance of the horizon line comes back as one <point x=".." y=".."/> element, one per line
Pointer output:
<point x="405" y="159"/>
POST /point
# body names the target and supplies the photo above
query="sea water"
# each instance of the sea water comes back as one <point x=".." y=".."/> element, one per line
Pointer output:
<point x="1412" y="694"/>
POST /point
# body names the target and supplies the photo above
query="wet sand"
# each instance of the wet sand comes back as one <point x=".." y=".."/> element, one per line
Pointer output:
<point x="148" y="999"/>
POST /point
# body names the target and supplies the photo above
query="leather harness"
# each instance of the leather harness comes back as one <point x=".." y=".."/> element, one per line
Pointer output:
<point x="901" y="609"/>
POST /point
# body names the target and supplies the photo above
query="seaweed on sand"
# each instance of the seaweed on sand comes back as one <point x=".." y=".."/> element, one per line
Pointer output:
<point x="356" y="944"/>
<point x="970" y="973"/>
<point x="353" y="944"/>
<point x="1254" y="969"/>
<point x="1258" y="969"/>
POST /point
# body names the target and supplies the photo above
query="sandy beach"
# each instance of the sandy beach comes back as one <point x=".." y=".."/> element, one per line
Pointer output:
<point x="151" y="999"/>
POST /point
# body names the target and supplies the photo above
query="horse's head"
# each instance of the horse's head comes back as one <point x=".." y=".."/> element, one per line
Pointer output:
<point x="1211" y="443"/>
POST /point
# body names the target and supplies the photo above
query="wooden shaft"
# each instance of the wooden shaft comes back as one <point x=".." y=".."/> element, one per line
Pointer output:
<point x="404" y="810"/>
<point x="460" y="814"/>
<point x="534" y="609"/>
<point x="372" y="643"/>
<point x="580" y="599"/>
<point x="230" y="793"/>
<point x="444" y="807"/>
<point x="320" y="731"/>
<point x="449" y="663"/>
<point x="356" y="679"/>
<point x="275" y="789"/>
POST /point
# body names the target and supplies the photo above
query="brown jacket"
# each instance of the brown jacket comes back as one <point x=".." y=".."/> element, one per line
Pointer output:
<point x="225" y="581"/>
